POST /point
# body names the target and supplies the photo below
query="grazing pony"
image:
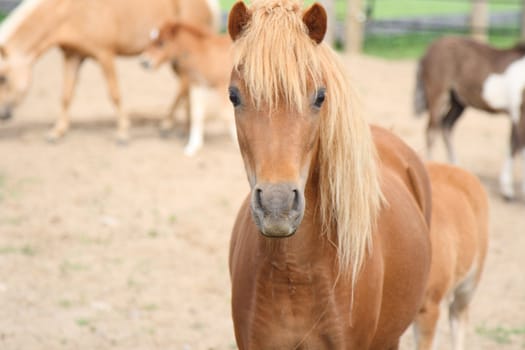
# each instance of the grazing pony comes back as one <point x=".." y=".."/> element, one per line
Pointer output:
<point x="331" y="249"/>
<point x="459" y="235"/>
<point x="204" y="59"/>
<point x="97" y="29"/>
<point x="458" y="72"/>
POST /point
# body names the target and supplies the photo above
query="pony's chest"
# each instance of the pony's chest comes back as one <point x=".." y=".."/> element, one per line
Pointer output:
<point x="298" y="309"/>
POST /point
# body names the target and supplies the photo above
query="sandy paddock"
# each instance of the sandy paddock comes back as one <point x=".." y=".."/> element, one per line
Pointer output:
<point x="110" y="247"/>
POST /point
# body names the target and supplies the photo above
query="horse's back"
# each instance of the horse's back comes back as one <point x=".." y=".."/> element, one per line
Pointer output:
<point x="406" y="164"/>
<point x="460" y="219"/>
<point x="124" y="26"/>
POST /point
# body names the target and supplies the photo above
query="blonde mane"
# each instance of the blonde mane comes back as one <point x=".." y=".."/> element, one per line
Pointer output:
<point x="15" y="18"/>
<point x="279" y="63"/>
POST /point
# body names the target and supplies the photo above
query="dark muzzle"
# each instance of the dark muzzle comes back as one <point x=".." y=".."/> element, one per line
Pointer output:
<point x="277" y="209"/>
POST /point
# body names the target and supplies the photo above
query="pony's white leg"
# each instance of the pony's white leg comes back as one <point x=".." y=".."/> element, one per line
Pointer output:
<point x="72" y="63"/>
<point x="506" y="179"/>
<point x="458" y="308"/>
<point x="198" y="100"/>
<point x="447" y="138"/>
<point x="108" y="67"/>
<point x="458" y="328"/>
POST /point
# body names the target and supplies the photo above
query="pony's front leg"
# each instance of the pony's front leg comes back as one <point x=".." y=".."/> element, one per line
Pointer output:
<point x="182" y="95"/>
<point x="425" y="325"/>
<point x="198" y="113"/>
<point x="108" y="67"/>
<point x="431" y="134"/>
<point x="72" y="63"/>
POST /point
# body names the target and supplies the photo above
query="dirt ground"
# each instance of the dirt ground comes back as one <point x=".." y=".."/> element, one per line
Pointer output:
<point x="111" y="247"/>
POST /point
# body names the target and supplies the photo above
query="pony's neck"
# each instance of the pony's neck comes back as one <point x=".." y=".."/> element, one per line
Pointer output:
<point x="32" y="28"/>
<point x="200" y="42"/>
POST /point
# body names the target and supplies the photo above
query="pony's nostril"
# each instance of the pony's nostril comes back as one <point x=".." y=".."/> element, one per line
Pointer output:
<point x="296" y="200"/>
<point x="258" y="198"/>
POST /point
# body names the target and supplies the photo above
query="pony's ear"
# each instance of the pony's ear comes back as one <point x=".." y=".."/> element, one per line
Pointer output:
<point x="237" y="20"/>
<point x="315" y="19"/>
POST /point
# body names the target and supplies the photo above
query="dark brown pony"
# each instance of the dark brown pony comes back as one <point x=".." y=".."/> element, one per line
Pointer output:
<point x="331" y="249"/>
<point x="458" y="72"/>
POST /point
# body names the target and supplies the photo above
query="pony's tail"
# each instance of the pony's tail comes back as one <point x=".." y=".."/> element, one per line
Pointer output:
<point x="420" y="99"/>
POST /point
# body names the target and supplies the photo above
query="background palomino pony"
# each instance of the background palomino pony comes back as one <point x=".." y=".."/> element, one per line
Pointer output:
<point x="97" y="29"/>
<point x="203" y="58"/>
<point x="458" y="72"/>
<point x="459" y="235"/>
<point x="349" y="270"/>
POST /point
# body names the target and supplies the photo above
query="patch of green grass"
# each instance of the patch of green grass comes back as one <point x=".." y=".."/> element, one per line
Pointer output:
<point x="502" y="335"/>
<point x="64" y="303"/>
<point x="413" y="45"/>
<point x="26" y="250"/>
<point x="172" y="219"/>
<point x="382" y="9"/>
<point x="150" y="307"/>
<point x="66" y="267"/>
<point x="82" y="322"/>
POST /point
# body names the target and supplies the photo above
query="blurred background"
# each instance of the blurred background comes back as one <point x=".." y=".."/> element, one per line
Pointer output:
<point x="126" y="247"/>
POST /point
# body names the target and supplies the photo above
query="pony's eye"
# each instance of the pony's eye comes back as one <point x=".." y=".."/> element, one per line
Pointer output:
<point x="160" y="43"/>
<point x="320" y="97"/>
<point x="234" y="96"/>
<point x="3" y="79"/>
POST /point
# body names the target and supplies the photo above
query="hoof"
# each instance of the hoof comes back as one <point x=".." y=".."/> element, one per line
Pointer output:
<point x="190" y="151"/>
<point x="507" y="195"/>
<point x="164" y="133"/>
<point x="507" y="191"/>
<point x="122" y="140"/>
<point x="53" y="137"/>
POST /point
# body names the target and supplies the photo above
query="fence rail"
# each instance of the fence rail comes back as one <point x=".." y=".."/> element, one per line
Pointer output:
<point x="8" y="5"/>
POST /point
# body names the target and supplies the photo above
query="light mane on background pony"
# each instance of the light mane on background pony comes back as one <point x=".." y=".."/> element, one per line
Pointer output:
<point x="15" y="18"/>
<point x="95" y="29"/>
<point x="349" y="203"/>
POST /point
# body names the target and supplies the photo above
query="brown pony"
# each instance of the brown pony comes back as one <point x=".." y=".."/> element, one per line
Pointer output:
<point x="97" y="29"/>
<point x="191" y="49"/>
<point x="459" y="235"/>
<point x="459" y="72"/>
<point x="331" y="249"/>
